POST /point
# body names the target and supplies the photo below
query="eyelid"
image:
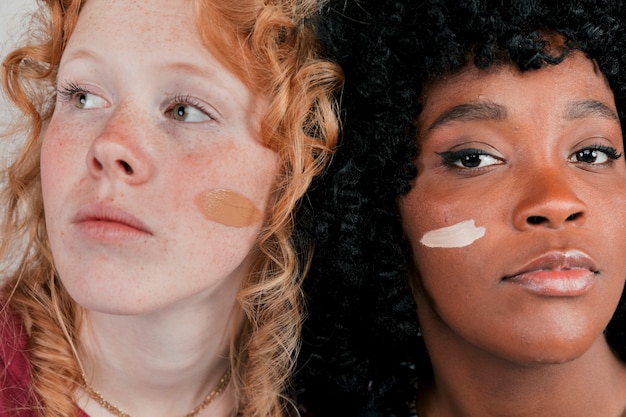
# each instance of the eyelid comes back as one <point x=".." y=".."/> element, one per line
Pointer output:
<point x="452" y="156"/>
<point x="609" y="145"/>
<point x="598" y="141"/>
<point x="67" y="91"/>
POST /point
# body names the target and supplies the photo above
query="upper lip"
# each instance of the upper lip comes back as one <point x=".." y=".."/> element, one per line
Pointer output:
<point x="558" y="260"/>
<point x="101" y="212"/>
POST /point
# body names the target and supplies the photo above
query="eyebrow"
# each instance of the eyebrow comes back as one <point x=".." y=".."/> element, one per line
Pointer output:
<point x="185" y="67"/>
<point x="83" y="54"/>
<point x="188" y="68"/>
<point x="469" y="112"/>
<point x="589" y="108"/>
<point x="492" y="111"/>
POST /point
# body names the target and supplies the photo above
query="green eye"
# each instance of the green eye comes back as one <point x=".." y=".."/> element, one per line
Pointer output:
<point x="186" y="112"/>
<point x="85" y="100"/>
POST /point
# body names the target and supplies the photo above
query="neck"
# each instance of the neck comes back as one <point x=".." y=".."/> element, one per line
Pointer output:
<point x="158" y="364"/>
<point x="474" y="384"/>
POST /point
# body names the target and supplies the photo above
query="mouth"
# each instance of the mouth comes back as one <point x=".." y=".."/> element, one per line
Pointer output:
<point x="560" y="274"/>
<point x="107" y="222"/>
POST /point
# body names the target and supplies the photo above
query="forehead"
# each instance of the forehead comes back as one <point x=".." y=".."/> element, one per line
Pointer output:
<point x="136" y="37"/>
<point x="140" y="25"/>
<point x="541" y="90"/>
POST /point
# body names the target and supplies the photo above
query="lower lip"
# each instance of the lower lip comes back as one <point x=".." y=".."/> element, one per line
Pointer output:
<point x="108" y="230"/>
<point x="556" y="283"/>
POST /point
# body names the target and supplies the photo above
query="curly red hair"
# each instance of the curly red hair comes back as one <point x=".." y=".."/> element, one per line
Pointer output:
<point x="277" y="56"/>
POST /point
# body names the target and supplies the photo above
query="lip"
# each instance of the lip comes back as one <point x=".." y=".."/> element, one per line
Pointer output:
<point x="559" y="274"/>
<point x="104" y="222"/>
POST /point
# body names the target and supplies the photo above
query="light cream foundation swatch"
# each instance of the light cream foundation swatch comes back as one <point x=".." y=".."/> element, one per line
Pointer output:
<point x="456" y="236"/>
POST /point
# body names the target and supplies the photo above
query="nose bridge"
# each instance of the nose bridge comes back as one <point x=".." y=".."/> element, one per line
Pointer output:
<point x="549" y="198"/>
<point x="119" y="149"/>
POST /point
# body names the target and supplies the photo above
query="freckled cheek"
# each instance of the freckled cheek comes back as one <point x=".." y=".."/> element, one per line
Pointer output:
<point x="65" y="145"/>
<point x="56" y="160"/>
<point x="263" y="179"/>
<point x="225" y="184"/>
<point x="57" y="177"/>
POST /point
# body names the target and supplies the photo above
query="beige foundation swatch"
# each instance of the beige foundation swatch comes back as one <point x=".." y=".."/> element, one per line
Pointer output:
<point x="228" y="208"/>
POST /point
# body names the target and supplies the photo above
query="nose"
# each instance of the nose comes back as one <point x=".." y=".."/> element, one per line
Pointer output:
<point x="549" y="200"/>
<point x="118" y="151"/>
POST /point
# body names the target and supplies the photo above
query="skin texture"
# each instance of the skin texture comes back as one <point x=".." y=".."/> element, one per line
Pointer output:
<point x="538" y="198"/>
<point x="146" y="120"/>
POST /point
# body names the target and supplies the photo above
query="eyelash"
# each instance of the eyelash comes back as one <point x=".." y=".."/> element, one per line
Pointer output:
<point x="609" y="151"/>
<point x="454" y="159"/>
<point x="68" y="92"/>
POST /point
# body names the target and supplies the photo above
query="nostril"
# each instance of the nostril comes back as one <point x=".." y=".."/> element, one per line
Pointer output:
<point x="126" y="166"/>
<point x="536" y="219"/>
<point x="97" y="164"/>
<point x="574" y="216"/>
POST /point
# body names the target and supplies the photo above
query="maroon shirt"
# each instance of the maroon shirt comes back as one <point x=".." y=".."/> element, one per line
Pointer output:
<point x="16" y="396"/>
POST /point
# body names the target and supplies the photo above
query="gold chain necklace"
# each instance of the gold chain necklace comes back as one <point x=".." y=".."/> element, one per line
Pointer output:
<point x="224" y="380"/>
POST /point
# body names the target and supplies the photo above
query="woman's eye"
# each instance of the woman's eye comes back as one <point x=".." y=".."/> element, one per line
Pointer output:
<point x="188" y="113"/>
<point x="469" y="158"/>
<point x="597" y="155"/>
<point x="80" y="97"/>
<point x="85" y="100"/>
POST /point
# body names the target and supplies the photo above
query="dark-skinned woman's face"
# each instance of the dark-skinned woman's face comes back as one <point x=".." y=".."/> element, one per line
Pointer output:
<point x="517" y="217"/>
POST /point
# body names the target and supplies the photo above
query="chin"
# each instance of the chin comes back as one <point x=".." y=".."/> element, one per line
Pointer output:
<point x="111" y="302"/>
<point x="554" y="351"/>
<point x="555" y="358"/>
<point x="112" y="307"/>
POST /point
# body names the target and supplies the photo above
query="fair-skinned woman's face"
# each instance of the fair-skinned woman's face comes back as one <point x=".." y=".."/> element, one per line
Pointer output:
<point x="154" y="177"/>
<point x="527" y="170"/>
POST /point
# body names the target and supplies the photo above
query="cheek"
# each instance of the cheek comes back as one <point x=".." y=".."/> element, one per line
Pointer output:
<point x="231" y="187"/>
<point x="432" y="222"/>
<point x="254" y="172"/>
<point x="458" y="235"/>
<point x="609" y="219"/>
<point x="445" y="238"/>
<point x="55" y="156"/>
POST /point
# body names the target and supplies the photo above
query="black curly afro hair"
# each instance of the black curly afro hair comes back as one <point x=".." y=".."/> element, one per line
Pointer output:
<point x="361" y="353"/>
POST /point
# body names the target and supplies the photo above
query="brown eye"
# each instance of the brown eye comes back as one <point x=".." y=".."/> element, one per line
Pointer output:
<point x="590" y="156"/>
<point x="595" y="155"/>
<point x="471" y="161"/>
<point x="469" y="158"/>
<point x="179" y="112"/>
